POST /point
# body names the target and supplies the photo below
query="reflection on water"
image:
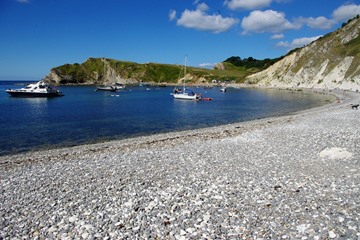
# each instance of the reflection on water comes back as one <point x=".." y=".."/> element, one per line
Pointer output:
<point x="37" y="108"/>
<point x="182" y="112"/>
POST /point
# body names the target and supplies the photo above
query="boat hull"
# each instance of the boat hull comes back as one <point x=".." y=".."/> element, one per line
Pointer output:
<point x="106" y="89"/>
<point x="15" y="93"/>
<point x="186" y="96"/>
<point x="109" y="88"/>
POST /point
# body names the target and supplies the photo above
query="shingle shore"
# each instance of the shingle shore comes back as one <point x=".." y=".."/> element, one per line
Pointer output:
<point x="290" y="177"/>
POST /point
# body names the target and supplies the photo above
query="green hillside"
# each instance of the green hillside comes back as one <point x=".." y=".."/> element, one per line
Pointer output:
<point x="100" y="70"/>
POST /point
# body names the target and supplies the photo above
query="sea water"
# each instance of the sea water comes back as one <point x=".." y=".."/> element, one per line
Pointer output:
<point x="84" y="115"/>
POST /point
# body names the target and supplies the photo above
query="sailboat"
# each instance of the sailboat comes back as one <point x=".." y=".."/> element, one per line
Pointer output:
<point x="116" y="85"/>
<point x="105" y="87"/>
<point x="184" y="93"/>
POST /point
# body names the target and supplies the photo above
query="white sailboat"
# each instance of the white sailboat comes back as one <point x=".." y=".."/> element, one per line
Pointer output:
<point x="184" y="93"/>
<point x="113" y="87"/>
<point x="116" y="85"/>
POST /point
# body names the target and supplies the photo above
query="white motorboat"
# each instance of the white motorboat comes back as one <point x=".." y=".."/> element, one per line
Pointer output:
<point x="223" y="89"/>
<point x="184" y="93"/>
<point x="106" y="88"/>
<point x="39" y="89"/>
<point x="119" y="86"/>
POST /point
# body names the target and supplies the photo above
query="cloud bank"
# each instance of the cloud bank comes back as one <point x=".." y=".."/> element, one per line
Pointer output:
<point x="346" y="12"/>
<point x="258" y="21"/>
<point x="247" y="4"/>
<point x="299" y="42"/>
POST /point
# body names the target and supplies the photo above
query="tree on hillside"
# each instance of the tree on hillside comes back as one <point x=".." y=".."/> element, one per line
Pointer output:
<point x="251" y="62"/>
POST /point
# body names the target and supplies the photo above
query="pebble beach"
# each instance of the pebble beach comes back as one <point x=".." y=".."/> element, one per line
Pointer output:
<point x="290" y="177"/>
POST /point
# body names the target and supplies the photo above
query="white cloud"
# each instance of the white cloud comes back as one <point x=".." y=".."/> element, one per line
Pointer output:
<point x="202" y="7"/>
<point x="299" y="42"/>
<point x="23" y="1"/>
<point x="277" y="36"/>
<point x="283" y="1"/>
<point x="317" y="23"/>
<point x="199" y="20"/>
<point x="247" y="4"/>
<point x="207" y="65"/>
<point x="346" y="12"/>
<point x="266" y="21"/>
<point x="342" y="13"/>
<point x="172" y="15"/>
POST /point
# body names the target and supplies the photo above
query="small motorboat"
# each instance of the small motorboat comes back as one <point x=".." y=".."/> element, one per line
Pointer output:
<point x="106" y="88"/>
<point x="207" y="99"/>
<point x="39" y="89"/>
<point x="223" y="89"/>
<point x="119" y="86"/>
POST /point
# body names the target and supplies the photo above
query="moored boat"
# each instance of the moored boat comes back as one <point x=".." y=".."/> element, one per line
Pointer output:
<point x="106" y="88"/>
<point x="184" y="93"/>
<point x="113" y="87"/>
<point x="119" y="86"/>
<point x="223" y="89"/>
<point x="187" y="94"/>
<point x="38" y="89"/>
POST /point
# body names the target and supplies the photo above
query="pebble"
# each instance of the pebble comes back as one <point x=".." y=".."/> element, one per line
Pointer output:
<point x="264" y="179"/>
<point x="72" y="219"/>
<point x="332" y="234"/>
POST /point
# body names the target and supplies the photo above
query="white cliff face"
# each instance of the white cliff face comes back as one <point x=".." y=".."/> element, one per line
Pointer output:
<point x="318" y="65"/>
<point x="53" y="78"/>
<point x="219" y="66"/>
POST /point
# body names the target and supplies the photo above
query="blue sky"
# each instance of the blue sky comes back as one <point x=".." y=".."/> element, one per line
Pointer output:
<point x="36" y="35"/>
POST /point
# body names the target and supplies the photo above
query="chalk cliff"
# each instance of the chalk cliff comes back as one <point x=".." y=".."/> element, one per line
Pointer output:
<point x="331" y="62"/>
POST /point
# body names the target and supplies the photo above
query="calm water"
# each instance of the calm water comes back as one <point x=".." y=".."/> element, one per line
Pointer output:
<point x="85" y="116"/>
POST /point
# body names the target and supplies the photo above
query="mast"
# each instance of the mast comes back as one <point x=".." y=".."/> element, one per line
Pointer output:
<point x="104" y="72"/>
<point x="115" y="74"/>
<point x="185" y="73"/>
